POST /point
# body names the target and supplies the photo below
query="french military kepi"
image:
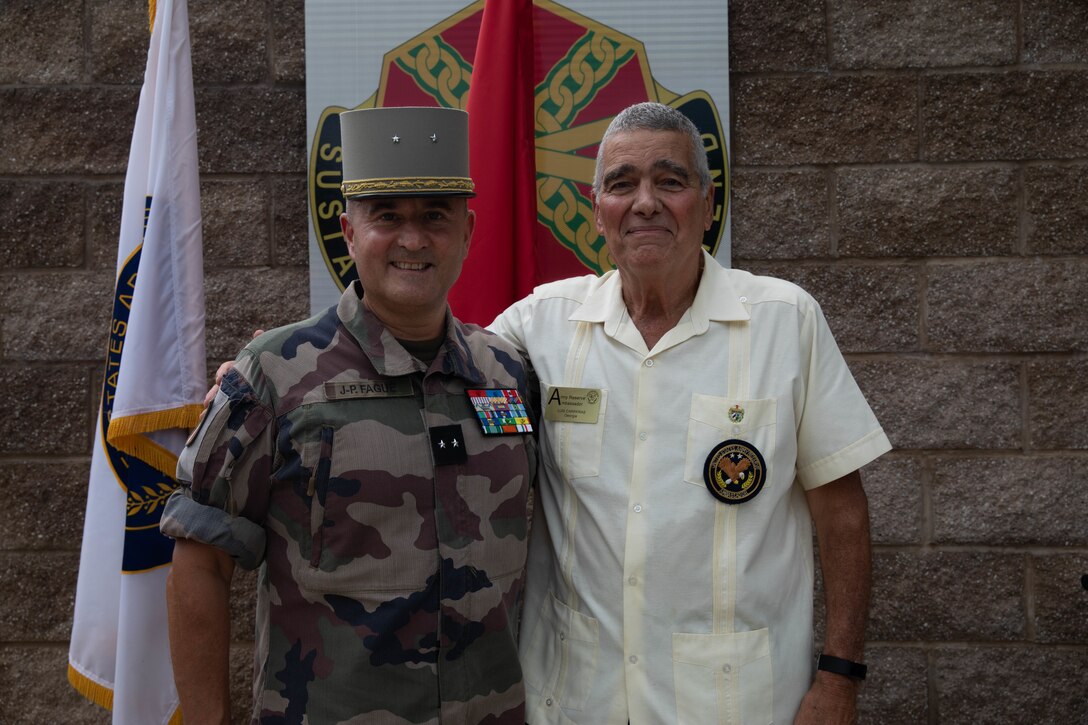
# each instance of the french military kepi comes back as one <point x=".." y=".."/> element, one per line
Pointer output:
<point x="405" y="151"/>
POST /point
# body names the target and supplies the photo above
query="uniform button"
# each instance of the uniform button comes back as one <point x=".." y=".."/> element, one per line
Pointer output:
<point x="649" y="363"/>
<point x="743" y="299"/>
<point x="726" y="669"/>
<point x="642" y="436"/>
<point x="632" y="581"/>
<point x="562" y="636"/>
<point x="638" y="508"/>
<point x="632" y="659"/>
<point x="548" y="702"/>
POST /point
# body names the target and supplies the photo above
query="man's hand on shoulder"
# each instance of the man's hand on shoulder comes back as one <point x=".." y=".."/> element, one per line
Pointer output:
<point x="219" y="373"/>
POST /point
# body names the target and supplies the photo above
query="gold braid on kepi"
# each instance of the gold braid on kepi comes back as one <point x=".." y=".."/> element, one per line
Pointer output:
<point x="405" y="151"/>
<point x="406" y="187"/>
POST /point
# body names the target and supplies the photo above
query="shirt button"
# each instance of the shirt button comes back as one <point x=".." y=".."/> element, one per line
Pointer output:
<point x="743" y="299"/>
<point x="632" y="581"/>
<point x="638" y="508"/>
<point x="548" y="702"/>
<point x="726" y="669"/>
<point x="642" y="436"/>
<point x="562" y="636"/>
<point x="632" y="659"/>
<point x="649" y="363"/>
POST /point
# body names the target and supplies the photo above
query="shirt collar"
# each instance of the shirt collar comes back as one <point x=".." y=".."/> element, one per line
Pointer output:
<point x="389" y="357"/>
<point x="716" y="300"/>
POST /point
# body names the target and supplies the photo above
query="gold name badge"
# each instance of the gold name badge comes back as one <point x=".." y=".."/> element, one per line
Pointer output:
<point x="572" y="405"/>
<point x="393" y="388"/>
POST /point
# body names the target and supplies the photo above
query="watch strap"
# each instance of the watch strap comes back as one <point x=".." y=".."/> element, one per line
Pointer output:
<point x="840" y="666"/>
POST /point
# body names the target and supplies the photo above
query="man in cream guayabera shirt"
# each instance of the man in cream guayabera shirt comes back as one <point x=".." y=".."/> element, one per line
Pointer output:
<point x="696" y="420"/>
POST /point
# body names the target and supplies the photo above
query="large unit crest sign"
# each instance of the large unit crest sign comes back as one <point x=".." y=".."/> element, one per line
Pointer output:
<point x="590" y="59"/>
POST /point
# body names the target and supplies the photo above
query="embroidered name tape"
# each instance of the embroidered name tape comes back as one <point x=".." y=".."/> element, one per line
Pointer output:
<point x="392" y="388"/>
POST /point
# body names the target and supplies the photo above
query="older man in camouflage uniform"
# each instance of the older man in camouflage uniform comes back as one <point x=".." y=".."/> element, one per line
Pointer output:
<point x="361" y="460"/>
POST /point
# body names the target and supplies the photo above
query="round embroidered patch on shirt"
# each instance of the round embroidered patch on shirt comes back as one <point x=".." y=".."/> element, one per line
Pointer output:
<point x="734" y="471"/>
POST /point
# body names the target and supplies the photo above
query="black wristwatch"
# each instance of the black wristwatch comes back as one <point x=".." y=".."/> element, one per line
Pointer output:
<point x="839" y="666"/>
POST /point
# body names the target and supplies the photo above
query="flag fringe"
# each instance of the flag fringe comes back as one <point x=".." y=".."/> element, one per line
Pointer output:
<point x="150" y="16"/>
<point x="127" y="434"/>
<point x="103" y="696"/>
<point x="98" y="694"/>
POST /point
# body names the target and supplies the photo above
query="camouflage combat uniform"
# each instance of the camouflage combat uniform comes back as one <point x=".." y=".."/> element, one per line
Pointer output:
<point x="389" y="583"/>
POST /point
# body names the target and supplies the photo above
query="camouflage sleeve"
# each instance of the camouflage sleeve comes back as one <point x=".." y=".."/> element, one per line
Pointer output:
<point x="224" y="472"/>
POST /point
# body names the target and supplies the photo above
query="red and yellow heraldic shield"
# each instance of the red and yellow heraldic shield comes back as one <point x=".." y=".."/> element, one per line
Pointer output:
<point x="578" y="74"/>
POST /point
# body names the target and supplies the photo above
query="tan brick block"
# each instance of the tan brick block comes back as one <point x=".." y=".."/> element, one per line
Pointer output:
<point x="34" y="688"/>
<point x="1025" y="305"/>
<point x="895" y="688"/>
<point x="922" y="34"/>
<point x="241" y="682"/>
<point x="225" y="50"/>
<point x="869" y="308"/>
<point x="1056" y="213"/>
<point x="236" y="305"/>
<point x="66" y="130"/>
<point x="830" y="120"/>
<point x="104" y="220"/>
<point x="235" y="217"/>
<point x="1058" y="404"/>
<point x="39" y="327"/>
<point x="119" y="41"/>
<point x="779" y="215"/>
<point x="246" y="130"/>
<point x="1004" y="116"/>
<point x="1054" y="31"/>
<point x="947" y="595"/>
<point x="998" y="685"/>
<point x="31" y="494"/>
<point x="243" y="605"/>
<point x="1060" y="596"/>
<point x="31" y="213"/>
<point x="1011" y="500"/>
<point x="39" y="45"/>
<point x="944" y="404"/>
<point x="779" y="36"/>
<point x="288" y="41"/>
<point x="919" y="212"/>
<point x="290" y="223"/>
<point x="893" y="485"/>
<point x="47" y="411"/>
<point x="38" y="594"/>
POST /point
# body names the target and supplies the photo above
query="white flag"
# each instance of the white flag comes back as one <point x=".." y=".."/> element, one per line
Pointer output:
<point x="154" y="384"/>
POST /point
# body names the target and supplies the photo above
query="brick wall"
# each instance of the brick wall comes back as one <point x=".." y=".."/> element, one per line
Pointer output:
<point x="921" y="167"/>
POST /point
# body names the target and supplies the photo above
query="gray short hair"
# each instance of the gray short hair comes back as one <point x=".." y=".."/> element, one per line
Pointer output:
<point x="650" y="116"/>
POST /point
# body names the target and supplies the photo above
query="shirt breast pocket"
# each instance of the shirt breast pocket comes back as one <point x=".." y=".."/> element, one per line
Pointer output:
<point x="575" y="447"/>
<point x="714" y="420"/>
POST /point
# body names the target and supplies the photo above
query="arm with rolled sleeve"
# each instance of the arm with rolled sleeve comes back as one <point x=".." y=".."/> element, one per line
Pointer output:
<point x="837" y="435"/>
<point x="215" y="518"/>
<point x="840" y="513"/>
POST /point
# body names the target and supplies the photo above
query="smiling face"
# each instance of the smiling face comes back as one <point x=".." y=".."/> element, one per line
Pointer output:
<point x="408" y="252"/>
<point x="650" y="208"/>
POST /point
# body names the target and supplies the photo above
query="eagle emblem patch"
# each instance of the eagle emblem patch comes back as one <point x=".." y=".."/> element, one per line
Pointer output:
<point x="734" y="471"/>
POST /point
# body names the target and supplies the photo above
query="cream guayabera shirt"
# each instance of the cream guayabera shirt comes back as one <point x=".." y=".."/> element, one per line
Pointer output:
<point x="648" y="598"/>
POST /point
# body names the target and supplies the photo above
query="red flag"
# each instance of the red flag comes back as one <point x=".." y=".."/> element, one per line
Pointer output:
<point x="501" y="265"/>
